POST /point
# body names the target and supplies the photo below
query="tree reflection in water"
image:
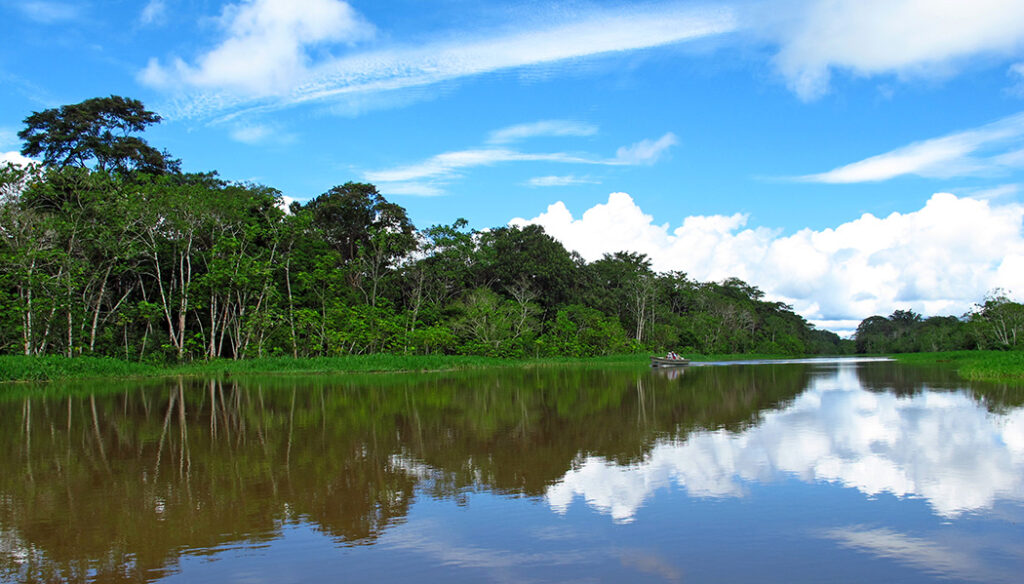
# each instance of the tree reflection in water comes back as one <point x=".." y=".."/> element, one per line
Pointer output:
<point x="115" y="485"/>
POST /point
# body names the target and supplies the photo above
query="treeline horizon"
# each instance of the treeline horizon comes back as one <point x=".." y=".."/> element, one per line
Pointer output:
<point x="997" y="323"/>
<point x="109" y="249"/>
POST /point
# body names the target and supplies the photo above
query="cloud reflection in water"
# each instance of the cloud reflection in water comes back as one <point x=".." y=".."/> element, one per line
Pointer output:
<point x="943" y="447"/>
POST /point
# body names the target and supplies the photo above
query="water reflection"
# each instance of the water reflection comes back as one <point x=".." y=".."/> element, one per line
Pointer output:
<point x="126" y="485"/>
<point x="944" y="447"/>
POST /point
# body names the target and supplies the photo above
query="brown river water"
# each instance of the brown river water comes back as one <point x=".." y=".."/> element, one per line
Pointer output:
<point x="820" y="471"/>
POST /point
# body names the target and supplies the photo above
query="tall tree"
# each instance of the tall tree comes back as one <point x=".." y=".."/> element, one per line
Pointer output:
<point x="99" y="133"/>
<point x="351" y="214"/>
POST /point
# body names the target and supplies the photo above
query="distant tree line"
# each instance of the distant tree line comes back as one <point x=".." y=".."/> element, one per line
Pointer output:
<point x="107" y="248"/>
<point x="995" y="324"/>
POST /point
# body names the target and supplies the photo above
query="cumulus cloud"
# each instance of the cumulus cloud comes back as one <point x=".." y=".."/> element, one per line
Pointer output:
<point x="902" y="37"/>
<point x="264" y="53"/>
<point x="937" y="260"/>
<point x="991" y="148"/>
<point x="266" y="44"/>
<point x="15" y="157"/>
<point x="521" y="132"/>
<point x="836" y="432"/>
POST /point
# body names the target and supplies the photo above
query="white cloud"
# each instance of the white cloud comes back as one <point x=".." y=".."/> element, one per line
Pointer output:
<point x="413" y="189"/>
<point x="265" y="49"/>
<point x="934" y="556"/>
<point x="521" y="132"/>
<point x="943" y="447"/>
<point x="871" y="37"/>
<point x="251" y="133"/>
<point x="255" y="133"/>
<point x="646" y="151"/>
<point x="15" y="157"/>
<point x="944" y="157"/>
<point x="265" y="52"/>
<point x="560" y="181"/>
<point x="937" y="260"/>
<point x="153" y="13"/>
<point x="1016" y="73"/>
<point x="49" y="12"/>
<point x="996" y="192"/>
<point x="447" y="165"/>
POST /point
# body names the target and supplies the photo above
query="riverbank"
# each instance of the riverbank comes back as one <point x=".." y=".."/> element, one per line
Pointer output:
<point x="16" y="368"/>
<point x="998" y="366"/>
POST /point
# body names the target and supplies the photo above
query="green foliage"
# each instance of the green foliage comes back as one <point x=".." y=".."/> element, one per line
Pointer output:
<point x="1000" y="366"/>
<point x="97" y="131"/>
<point x="996" y="323"/>
<point x="107" y="253"/>
<point x="45" y="368"/>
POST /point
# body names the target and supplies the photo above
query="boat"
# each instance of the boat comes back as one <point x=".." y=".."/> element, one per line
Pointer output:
<point x="667" y="362"/>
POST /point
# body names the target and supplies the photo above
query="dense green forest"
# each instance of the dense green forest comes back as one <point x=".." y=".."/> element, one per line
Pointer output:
<point x="108" y="248"/>
<point x="995" y="324"/>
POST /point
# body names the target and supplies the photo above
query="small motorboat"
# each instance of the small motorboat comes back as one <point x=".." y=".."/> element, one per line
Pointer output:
<point x="669" y="362"/>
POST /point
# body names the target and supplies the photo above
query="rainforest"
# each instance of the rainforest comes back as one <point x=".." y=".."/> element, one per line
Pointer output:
<point x="109" y="249"/>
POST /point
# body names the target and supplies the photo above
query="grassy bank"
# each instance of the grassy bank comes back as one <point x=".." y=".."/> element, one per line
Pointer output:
<point x="22" y="368"/>
<point x="1000" y="366"/>
<point x="47" y="368"/>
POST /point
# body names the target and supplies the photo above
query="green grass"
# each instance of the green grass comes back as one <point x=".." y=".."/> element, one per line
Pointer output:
<point x="47" y="368"/>
<point x="1000" y="366"/>
<point x="25" y="368"/>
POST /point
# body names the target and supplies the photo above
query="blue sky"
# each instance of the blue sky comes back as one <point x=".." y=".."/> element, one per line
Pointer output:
<point x="850" y="157"/>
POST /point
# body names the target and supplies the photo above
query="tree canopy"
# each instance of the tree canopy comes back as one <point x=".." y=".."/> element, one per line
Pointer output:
<point x="98" y="133"/>
<point x="109" y="250"/>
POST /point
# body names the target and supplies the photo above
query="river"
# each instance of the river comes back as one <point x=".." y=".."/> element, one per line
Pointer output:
<point x="817" y="471"/>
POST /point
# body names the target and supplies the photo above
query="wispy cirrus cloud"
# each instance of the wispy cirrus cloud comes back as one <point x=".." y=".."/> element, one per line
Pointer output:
<point x="49" y="12"/>
<point x="929" y="555"/>
<point x="1016" y="73"/>
<point x="521" y="132"/>
<point x="264" y="59"/>
<point x="561" y="181"/>
<point x="448" y="165"/>
<point x="646" y="151"/>
<point x="992" y="148"/>
<point x="256" y="133"/>
<point x="153" y="13"/>
<point x="908" y="38"/>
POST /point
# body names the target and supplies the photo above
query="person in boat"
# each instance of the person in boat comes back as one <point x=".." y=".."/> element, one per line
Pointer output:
<point x="672" y="355"/>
